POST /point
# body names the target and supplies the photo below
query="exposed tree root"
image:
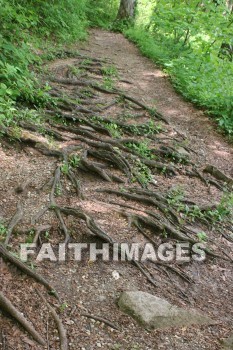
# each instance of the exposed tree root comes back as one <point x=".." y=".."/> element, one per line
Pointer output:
<point x="54" y="206"/>
<point x="9" y="308"/>
<point x="40" y="230"/>
<point x="157" y="226"/>
<point x="61" y="329"/>
<point x="218" y="174"/>
<point x="99" y="144"/>
<point x="97" y="231"/>
<point x="25" y="269"/>
<point x="148" y="199"/>
<point x="176" y="271"/>
<point x="101" y="319"/>
<point x="14" y="221"/>
<point x="113" y="157"/>
<point x="88" y="166"/>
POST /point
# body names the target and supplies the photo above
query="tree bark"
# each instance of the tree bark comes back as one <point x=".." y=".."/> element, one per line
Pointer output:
<point x="226" y="49"/>
<point x="126" y="9"/>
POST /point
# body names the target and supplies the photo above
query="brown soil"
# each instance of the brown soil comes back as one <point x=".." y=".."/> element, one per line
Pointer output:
<point x="90" y="287"/>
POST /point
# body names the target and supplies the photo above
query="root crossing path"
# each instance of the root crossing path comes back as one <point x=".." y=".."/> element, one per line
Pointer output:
<point x="119" y="157"/>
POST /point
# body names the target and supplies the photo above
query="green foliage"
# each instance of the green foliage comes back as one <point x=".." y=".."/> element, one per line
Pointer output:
<point x="3" y="232"/>
<point x="185" y="37"/>
<point x="26" y="26"/>
<point x="141" y="173"/>
<point x="202" y="236"/>
<point x="63" y="307"/>
<point x="223" y="212"/>
<point x="141" y="148"/>
<point x="175" y="197"/>
<point x="102" y="13"/>
<point x="113" y="129"/>
<point x="73" y="162"/>
<point x="30" y="236"/>
<point x="110" y="71"/>
<point x="149" y="128"/>
<point x="108" y="83"/>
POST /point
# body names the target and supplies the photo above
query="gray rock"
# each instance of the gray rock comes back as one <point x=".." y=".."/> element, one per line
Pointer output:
<point x="153" y="312"/>
<point x="182" y="151"/>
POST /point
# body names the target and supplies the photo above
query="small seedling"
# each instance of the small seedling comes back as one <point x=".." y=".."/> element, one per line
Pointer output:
<point x="30" y="236"/>
<point x="108" y="83"/>
<point x="175" y="196"/>
<point x="46" y="234"/>
<point x="58" y="190"/>
<point x="76" y="71"/>
<point x="110" y="71"/>
<point x="3" y="231"/>
<point x="65" y="168"/>
<point x="116" y="346"/>
<point x="86" y="62"/>
<point x="141" y="148"/>
<point x="202" y="236"/>
<point x="113" y="129"/>
<point x="142" y="173"/>
<point x="74" y="161"/>
<point x="63" y="307"/>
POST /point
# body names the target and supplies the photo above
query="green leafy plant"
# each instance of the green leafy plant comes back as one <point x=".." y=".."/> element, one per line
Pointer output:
<point x="108" y="83"/>
<point x="110" y="71"/>
<point x="3" y="231"/>
<point x="141" y="148"/>
<point x="58" y="190"/>
<point x="188" y="41"/>
<point x="74" y="161"/>
<point x="47" y="235"/>
<point x="141" y="173"/>
<point x="63" y="307"/>
<point x="175" y="196"/>
<point x="65" y="168"/>
<point x="202" y="236"/>
<point x="114" y="129"/>
<point x="150" y="128"/>
<point x="223" y="211"/>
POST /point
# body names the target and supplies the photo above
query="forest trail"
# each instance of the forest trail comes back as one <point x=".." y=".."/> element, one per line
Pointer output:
<point x="108" y="166"/>
<point x="154" y="88"/>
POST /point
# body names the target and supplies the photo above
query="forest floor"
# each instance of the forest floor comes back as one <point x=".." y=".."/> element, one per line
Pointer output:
<point x="107" y="168"/>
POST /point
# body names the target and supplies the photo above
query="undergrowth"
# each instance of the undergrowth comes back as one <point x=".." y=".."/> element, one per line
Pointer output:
<point x="29" y="32"/>
<point x="186" y="41"/>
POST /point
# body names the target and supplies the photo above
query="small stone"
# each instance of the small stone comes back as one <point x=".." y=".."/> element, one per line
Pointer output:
<point x="102" y="298"/>
<point x="182" y="151"/>
<point x="99" y="345"/>
<point x="115" y="275"/>
<point x="69" y="322"/>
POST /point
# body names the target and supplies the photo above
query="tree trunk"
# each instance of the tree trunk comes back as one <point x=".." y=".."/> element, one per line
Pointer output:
<point x="229" y="4"/>
<point x="226" y="49"/>
<point x="127" y="9"/>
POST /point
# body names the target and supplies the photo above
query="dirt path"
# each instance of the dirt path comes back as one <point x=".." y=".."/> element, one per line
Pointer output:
<point x="153" y="86"/>
<point x="98" y="139"/>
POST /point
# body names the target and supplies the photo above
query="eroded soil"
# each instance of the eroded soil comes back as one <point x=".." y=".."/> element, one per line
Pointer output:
<point x="91" y="287"/>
